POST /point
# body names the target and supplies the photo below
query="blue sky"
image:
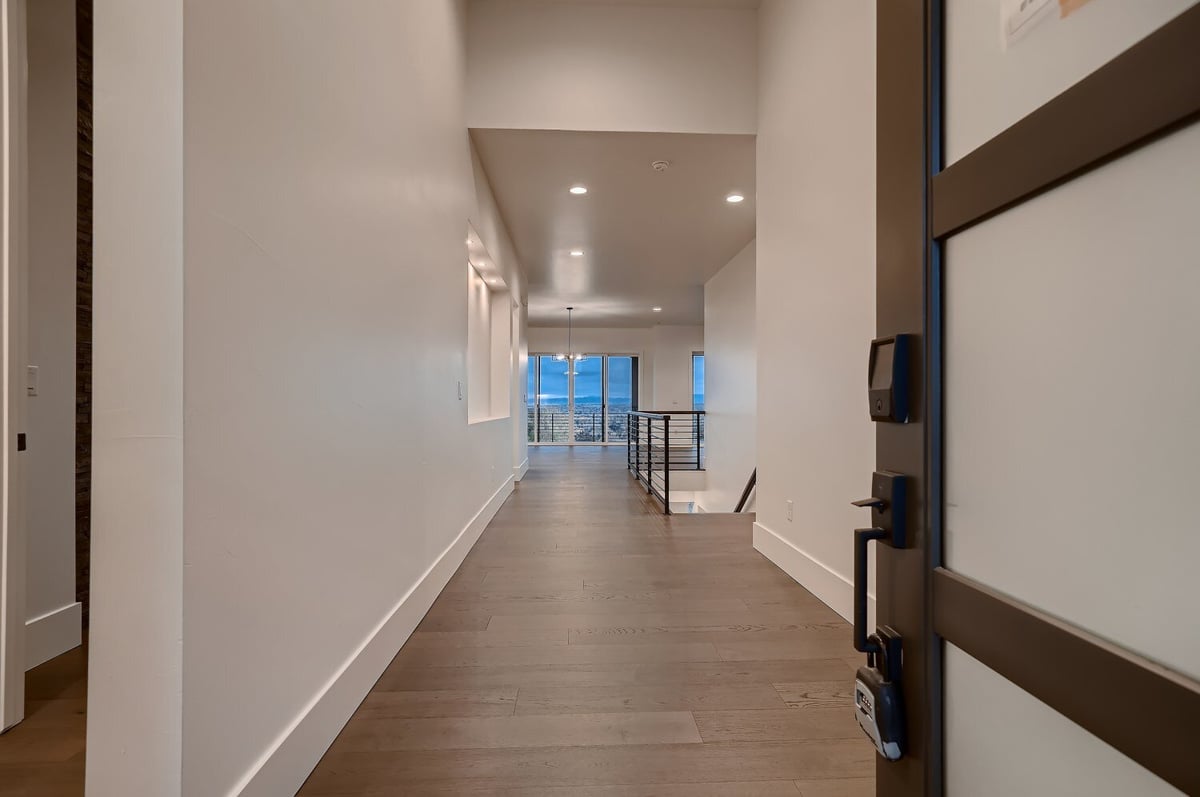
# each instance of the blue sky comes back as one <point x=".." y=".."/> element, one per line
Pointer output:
<point x="588" y="381"/>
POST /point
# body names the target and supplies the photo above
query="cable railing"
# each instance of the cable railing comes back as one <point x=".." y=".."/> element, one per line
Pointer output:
<point x="661" y="442"/>
<point x="585" y="425"/>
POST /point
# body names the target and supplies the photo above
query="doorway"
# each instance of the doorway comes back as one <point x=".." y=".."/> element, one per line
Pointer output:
<point x="44" y="569"/>
<point x="581" y="401"/>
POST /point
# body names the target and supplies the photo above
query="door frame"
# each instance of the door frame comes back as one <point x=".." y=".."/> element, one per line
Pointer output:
<point x="1141" y="95"/>
<point x="13" y="288"/>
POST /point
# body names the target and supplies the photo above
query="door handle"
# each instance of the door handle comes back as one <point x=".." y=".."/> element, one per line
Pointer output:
<point x="862" y="537"/>
<point x="871" y="502"/>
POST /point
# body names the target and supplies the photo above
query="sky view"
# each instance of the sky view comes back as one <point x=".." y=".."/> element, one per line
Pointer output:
<point x="589" y="381"/>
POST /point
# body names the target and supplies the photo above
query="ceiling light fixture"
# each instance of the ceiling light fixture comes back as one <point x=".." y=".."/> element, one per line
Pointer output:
<point x="571" y="357"/>
<point x="579" y="190"/>
<point x="734" y="198"/>
<point x="576" y="253"/>
<point x="656" y="309"/>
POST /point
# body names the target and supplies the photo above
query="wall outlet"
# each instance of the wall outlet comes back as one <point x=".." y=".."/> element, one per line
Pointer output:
<point x="790" y="506"/>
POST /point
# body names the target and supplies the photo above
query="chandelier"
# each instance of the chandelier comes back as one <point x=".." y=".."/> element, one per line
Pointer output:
<point x="570" y="356"/>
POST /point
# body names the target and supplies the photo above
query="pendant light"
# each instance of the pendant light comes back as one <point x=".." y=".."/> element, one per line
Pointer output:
<point x="570" y="356"/>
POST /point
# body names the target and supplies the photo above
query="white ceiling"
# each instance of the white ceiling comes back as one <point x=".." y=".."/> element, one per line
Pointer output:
<point x="649" y="238"/>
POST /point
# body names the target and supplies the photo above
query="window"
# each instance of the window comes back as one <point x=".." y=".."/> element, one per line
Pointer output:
<point x="697" y="380"/>
<point x="588" y="405"/>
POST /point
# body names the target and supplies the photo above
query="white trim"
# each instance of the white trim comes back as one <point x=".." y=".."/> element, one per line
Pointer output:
<point x="519" y="471"/>
<point x="834" y="589"/>
<point x="13" y="201"/>
<point x="53" y="634"/>
<point x="287" y="762"/>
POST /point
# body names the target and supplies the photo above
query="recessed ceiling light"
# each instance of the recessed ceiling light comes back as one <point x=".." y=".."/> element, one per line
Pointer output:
<point x="576" y="253"/>
<point x="734" y="198"/>
<point x="579" y="190"/>
<point x="656" y="309"/>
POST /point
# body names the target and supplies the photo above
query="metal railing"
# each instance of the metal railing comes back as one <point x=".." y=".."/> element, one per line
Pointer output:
<point x="750" y="485"/>
<point x="546" y="425"/>
<point x="660" y="442"/>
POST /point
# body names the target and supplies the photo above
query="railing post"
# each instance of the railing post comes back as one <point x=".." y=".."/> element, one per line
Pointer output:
<point x="637" y="448"/>
<point x="667" y="464"/>
<point x="628" y="452"/>
<point x="650" y="455"/>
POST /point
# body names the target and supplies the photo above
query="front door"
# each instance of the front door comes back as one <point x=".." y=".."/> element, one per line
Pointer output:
<point x="1038" y="196"/>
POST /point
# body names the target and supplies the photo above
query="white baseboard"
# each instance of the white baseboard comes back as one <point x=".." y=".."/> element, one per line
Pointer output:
<point x="519" y="471"/>
<point x="53" y="634"/>
<point x="285" y="765"/>
<point x="834" y="589"/>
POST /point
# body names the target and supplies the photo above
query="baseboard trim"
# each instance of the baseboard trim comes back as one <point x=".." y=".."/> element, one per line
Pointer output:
<point x="287" y="763"/>
<point x="833" y="589"/>
<point x="519" y="471"/>
<point x="53" y="634"/>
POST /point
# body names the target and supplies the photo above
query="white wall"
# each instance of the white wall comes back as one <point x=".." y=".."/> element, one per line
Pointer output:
<point x="672" y="373"/>
<point x="479" y="347"/>
<point x="54" y="615"/>
<point x="730" y="382"/>
<point x="332" y="480"/>
<point x="501" y="355"/>
<point x="568" y="66"/>
<point x="135" y="652"/>
<point x="664" y="356"/>
<point x="520" y="386"/>
<point x="815" y="285"/>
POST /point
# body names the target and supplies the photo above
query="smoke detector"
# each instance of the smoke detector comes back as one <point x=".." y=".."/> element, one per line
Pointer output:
<point x="660" y="166"/>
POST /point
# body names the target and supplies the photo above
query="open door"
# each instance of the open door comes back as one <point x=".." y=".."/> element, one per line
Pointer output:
<point x="1038" y="185"/>
<point x="12" y="359"/>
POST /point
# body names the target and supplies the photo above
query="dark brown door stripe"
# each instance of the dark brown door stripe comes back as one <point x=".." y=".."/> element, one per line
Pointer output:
<point x="1143" y="709"/>
<point x="1144" y="93"/>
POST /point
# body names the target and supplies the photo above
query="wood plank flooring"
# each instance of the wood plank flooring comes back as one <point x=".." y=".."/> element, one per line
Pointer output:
<point x="590" y="646"/>
<point x="44" y="755"/>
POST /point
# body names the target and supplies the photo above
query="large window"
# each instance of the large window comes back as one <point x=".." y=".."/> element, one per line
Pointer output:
<point x="698" y="380"/>
<point x="586" y="404"/>
<point x="621" y="396"/>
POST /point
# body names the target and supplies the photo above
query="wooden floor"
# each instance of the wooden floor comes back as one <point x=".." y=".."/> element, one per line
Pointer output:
<point x="591" y="647"/>
<point x="43" y="756"/>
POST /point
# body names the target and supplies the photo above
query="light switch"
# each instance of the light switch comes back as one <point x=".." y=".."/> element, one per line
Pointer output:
<point x="790" y="506"/>
<point x="31" y="380"/>
<point x="460" y="390"/>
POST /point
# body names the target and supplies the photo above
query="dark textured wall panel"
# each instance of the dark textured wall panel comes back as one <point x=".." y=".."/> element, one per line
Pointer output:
<point x="83" y="309"/>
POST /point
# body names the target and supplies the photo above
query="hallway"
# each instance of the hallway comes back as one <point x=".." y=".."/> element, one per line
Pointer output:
<point x="589" y="641"/>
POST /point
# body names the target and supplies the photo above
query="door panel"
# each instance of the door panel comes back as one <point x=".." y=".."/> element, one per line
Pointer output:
<point x="531" y="402"/>
<point x="621" y="392"/>
<point x="989" y="86"/>
<point x="553" y="400"/>
<point x="587" y="406"/>
<point x="1072" y="377"/>
<point x="1025" y="747"/>
<point x="1050" y="272"/>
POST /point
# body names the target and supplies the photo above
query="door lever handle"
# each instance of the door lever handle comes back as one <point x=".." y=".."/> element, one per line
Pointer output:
<point x="862" y="538"/>
<point x="881" y="503"/>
